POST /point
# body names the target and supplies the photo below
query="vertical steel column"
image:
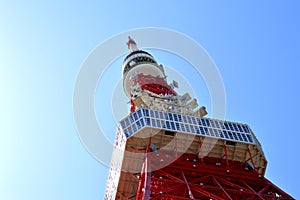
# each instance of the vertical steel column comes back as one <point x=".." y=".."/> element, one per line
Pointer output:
<point x="225" y="151"/>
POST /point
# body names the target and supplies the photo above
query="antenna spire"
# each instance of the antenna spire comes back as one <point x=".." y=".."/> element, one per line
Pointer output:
<point x="131" y="44"/>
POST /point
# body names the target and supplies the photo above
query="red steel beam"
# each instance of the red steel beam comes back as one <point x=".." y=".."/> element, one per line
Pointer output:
<point x="251" y="159"/>
<point x="187" y="184"/>
<point x="201" y="152"/>
<point x="225" y="151"/>
<point x="217" y="183"/>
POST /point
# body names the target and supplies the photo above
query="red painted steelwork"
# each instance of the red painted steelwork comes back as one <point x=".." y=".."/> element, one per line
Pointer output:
<point x="155" y="84"/>
<point x="144" y="191"/>
<point x="189" y="178"/>
<point x="132" y="106"/>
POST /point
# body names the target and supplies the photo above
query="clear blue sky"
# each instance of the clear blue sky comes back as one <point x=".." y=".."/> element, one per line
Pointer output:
<point x="255" y="45"/>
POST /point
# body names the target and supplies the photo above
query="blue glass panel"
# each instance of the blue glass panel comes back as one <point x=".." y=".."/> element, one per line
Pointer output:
<point x="210" y="132"/>
<point x="216" y="132"/>
<point x="156" y="114"/>
<point x="203" y="130"/>
<point x="168" y="125"/>
<point x="220" y="124"/>
<point x="234" y="136"/>
<point x="158" y="123"/>
<point x="139" y="124"/>
<point x="153" y="122"/>
<point x="207" y="122"/>
<point x="130" y="131"/>
<point x="127" y="120"/>
<point x="184" y="119"/>
<point x="192" y="129"/>
<point x="146" y="112"/>
<point x="187" y="128"/>
<point x="151" y="113"/>
<point x="189" y="120"/>
<point x="202" y="122"/>
<point x="177" y="126"/>
<point x="217" y="125"/>
<point x="240" y="128"/>
<point x="225" y="134"/>
<point x="134" y="128"/>
<point x="142" y="122"/>
<point x="173" y="126"/>
<point x="226" y="126"/>
<point x="147" y="119"/>
<point x="135" y="117"/>
<point x="250" y="138"/>
<point x="222" y="135"/>
<point x="182" y="127"/>
<point x="230" y="135"/>
<point x="234" y="128"/>
<point x="244" y="138"/>
<point x="122" y="124"/>
<point x="246" y="130"/>
<point x="165" y="116"/>
<point x="131" y="119"/>
<point x="212" y="123"/>
<point x="126" y="133"/>
<point x="139" y="113"/>
<point x="175" y="117"/>
<point x="194" y="120"/>
<point x="170" y="116"/>
<point x="239" y="136"/>
<point x="161" y="115"/>
<point x="163" y="124"/>
<point x="179" y="118"/>
<point x="231" y="127"/>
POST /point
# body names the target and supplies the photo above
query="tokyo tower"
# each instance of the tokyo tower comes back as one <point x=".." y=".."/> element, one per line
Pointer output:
<point x="167" y="149"/>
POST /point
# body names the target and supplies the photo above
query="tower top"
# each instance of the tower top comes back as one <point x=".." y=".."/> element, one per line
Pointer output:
<point x="138" y="62"/>
<point x="131" y="44"/>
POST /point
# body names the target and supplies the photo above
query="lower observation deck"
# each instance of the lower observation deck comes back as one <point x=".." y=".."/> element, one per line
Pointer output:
<point x="187" y="124"/>
<point x="240" y="141"/>
<point x="186" y="148"/>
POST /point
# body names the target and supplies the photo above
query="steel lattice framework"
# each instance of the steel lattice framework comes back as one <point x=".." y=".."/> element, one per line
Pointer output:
<point x="191" y="178"/>
<point x="166" y="150"/>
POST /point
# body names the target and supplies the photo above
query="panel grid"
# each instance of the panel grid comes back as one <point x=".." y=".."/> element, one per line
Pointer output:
<point x="187" y="124"/>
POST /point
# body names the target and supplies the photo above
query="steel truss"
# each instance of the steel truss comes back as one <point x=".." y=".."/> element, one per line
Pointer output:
<point x="208" y="178"/>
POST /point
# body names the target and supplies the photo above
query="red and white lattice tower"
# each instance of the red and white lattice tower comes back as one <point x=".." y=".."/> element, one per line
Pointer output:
<point x="166" y="149"/>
